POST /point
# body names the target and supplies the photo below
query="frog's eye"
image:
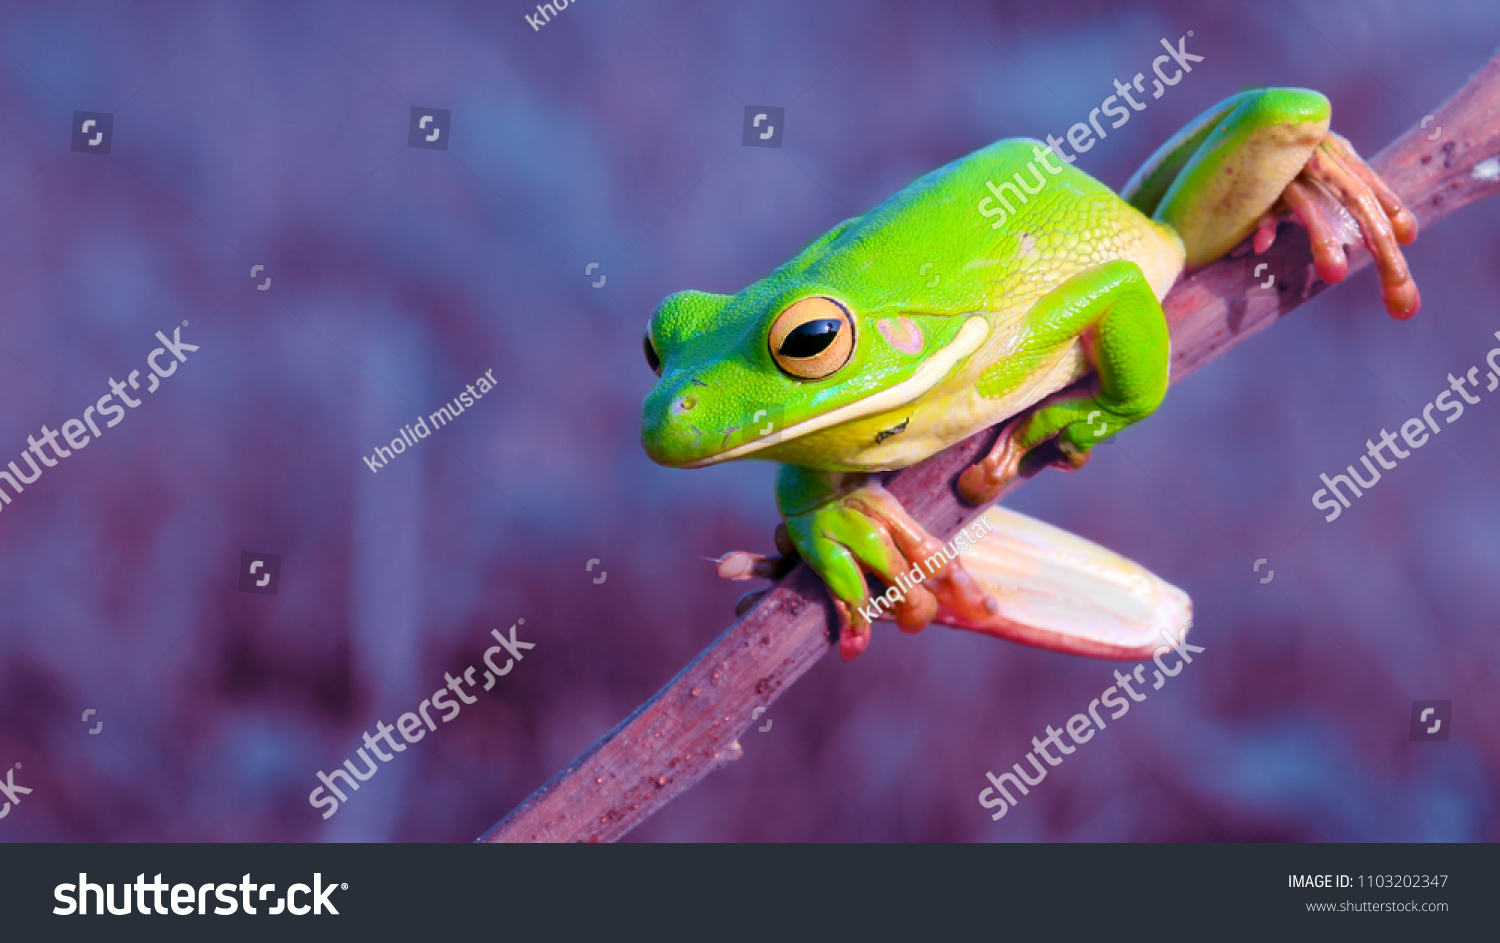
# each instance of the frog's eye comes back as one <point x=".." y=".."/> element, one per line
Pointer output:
<point x="652" y="360"/>
<point x="813" y="339"/>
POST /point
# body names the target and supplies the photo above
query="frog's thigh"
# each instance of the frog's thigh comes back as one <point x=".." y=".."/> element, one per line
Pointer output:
<point x="1240" y="169"/>
<point x="1125" y="337"/>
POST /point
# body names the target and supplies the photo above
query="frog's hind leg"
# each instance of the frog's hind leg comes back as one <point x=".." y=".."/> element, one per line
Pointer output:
<point x="1263" y="153"/>
<point x="1114" y="313"/>
<point x="1212" y="181"/>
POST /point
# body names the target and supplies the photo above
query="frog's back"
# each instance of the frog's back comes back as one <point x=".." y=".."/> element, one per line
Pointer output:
<point x="1001" y="229"/>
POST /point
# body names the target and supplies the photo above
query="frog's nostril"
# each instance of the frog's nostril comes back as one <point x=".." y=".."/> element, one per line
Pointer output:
<point x="687" y="403"/>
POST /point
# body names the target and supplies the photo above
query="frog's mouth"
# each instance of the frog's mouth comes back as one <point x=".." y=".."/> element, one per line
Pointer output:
<point x="969" y="337"/>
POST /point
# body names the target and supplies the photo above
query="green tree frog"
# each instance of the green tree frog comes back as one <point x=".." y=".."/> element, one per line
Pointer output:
<point x="1006" y="287"/>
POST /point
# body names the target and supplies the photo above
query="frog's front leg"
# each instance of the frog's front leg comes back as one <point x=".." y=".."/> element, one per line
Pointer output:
<point x="1111" y="310"/>
<point x="843" y="525"/>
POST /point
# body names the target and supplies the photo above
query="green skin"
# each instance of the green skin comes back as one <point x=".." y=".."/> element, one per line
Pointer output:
<point x="1070" y="281"/>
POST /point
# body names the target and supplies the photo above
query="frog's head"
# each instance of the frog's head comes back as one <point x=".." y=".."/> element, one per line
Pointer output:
<point x="808" y="349"/>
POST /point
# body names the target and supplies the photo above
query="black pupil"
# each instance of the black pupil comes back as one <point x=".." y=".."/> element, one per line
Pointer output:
<point x="652" y="361"/>
<point x="810" y="339"/>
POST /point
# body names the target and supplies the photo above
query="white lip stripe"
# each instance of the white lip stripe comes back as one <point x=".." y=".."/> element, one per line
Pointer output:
<point x="968" y="339"/>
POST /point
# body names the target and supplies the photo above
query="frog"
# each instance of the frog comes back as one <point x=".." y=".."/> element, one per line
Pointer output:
<point x="961" y="303"/>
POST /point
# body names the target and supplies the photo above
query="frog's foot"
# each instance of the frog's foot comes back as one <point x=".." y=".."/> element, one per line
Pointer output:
<point x="1340" y="200"/>
<point x="1069" y="413"/>
<point x="924" y="566"/>
<point x="912" y="607"/>
<point x="856" y="527"/>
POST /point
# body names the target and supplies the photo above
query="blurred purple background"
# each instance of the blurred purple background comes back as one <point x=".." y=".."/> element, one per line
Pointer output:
<point x="274" y="133"/>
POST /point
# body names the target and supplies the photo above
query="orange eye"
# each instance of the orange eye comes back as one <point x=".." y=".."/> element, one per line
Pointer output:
<point x="813" y="339"/>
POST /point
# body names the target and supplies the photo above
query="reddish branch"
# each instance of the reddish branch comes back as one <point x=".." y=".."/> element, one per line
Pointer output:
<point x="693" y="725"/>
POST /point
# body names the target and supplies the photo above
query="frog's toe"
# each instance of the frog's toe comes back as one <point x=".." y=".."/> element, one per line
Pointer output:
<point x="962" y="597"/>
<point x="1071" y="457"/>
<point x="1403" y="223"/>
<point x="916" y="610"/>
<point x="742" y="565"/>
<point x="1265" y="232"/>
<point x="1329" y="228"/>
<point x="854" y="634"/>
